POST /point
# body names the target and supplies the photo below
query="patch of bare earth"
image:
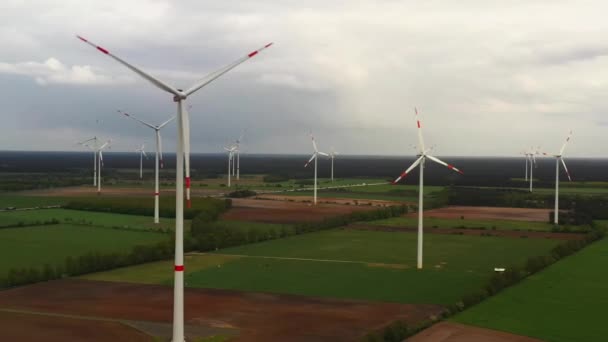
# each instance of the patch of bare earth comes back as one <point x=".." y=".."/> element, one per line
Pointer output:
<point x="16" y="326"/>
<point x="488" y="213"/>
<point x="455" y="332"/>
<point x="257" y="316"/>
<point x="473" y="232"/>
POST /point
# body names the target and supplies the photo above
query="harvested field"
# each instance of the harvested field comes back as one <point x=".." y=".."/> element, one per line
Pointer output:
<point x="258" y="316"/>
<point x="474" y="232"/>
<point x="17" y="326"/>
<point x="454" y="332"/>
<point x="488" y="213"/>
<point x="269" y="211"/>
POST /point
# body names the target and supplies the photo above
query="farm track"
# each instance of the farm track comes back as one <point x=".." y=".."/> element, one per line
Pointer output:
<point x="304" y="259"/>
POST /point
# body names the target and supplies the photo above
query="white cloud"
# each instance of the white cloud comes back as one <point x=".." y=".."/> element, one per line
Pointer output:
<point x="53" y="71"/>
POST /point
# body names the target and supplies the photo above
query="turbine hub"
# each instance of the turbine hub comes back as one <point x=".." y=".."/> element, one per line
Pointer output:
<point x="181" y="96"/>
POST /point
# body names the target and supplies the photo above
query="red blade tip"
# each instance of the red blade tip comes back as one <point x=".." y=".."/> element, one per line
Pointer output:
<point x="268" y="45"/>
<point x="84" y="40"/>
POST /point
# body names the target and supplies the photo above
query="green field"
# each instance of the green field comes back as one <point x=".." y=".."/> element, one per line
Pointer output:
<point x="160" y="272"/>
<point x="564" y="302"/>
<point x="24" y="201"/>
<point x="430" y="222"/>
<point x="245" y="226"/>
<point x="36" y="246"/>
<point x="357" y="265"/>
<point x="30" y="217"/>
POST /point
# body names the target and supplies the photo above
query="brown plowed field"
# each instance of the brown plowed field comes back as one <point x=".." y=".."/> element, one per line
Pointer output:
<point x="258" y="316"/>
<point x="32" y="327"/>
<point x="474" y="232"/>
<point x="488" y="213"/>
<point x="454" y="332"/>
<point x="269" y="211"/>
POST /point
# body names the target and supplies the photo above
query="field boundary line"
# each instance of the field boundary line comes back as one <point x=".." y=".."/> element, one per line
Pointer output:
<point x="296" y="259"/>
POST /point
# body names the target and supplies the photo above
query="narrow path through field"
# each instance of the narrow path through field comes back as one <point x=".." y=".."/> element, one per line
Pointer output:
<point x="152" y="329"/>
<point x="302" y="259"/>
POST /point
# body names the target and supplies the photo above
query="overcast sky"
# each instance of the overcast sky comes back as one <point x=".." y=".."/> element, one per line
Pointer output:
<point x="488" y="78"/>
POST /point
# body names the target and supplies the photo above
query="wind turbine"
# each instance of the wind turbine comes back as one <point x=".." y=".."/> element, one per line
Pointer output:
<point x="94" y="149"/>
<point x="183" y="147"/>
<point x="559" y="157"/>
<point x="314" y="156"/>
<point x="422" y="156"/>
<point x="237" y="151"/>
<point x="158" y="158"/>
<point x="531" y="154"/>
<point x="231" y="150"/>
<point x="527" y="156"/>
<point x="99" y="151"/>
<point x="142" y="154"/>
<point x="333" y="154"/>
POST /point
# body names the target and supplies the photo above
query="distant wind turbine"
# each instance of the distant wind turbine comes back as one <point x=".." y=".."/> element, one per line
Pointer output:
<point x="315" y="154"/>
<point x="158" y="158"/>
<point x="559" y="157"/>
<point x="100" y="155"/>
<point x="231" y="150"/>
<point x="422" y="153"/>
<point x="142" y="154"/>
<point x="333" y="154"/>
<point x="92" y="145"/>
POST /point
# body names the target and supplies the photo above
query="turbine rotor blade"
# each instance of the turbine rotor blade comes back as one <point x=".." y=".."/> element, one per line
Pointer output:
<point x="566" y="169"/>
<point x="420" y="139"/>
<point x="216" y="74"/>
<point x="136" y="119"/>
<point x="166" y="122"/>
<point x="449" y="166"/>
<point x="404" y="173"/>
<point x="160" y="151"/>
<point x="561" y="151"/>
<point x="314" y="155"/>
<point x="138" y="71"/>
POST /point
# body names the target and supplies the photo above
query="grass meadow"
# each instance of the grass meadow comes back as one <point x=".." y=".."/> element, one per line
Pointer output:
<point x="565" y="302"/>
<point x="52" y="244"/>
<point x="465" y="223"/>
<point x="352" y="264"/>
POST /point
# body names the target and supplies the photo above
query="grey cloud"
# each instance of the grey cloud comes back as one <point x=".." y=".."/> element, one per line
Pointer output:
<point x="488" y="77"/>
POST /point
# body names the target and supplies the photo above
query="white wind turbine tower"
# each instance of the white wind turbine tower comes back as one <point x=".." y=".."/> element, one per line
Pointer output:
<point x="237" y="151"/>
<point x="527" y="156"/>
<point x="158" y="158"/>
<point x="531" y="154"/>
<point x="183" y="147"/>
<point x="87" y="143"/>
<point x="333" y="154"/>
<point x="315" y="155"/>
<point x="559" y="157"/>
<point x="99" y="151"/>
<point x="231" y="150"/>
<point x="422" y="156"/>
<point x="142" y="154"/>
